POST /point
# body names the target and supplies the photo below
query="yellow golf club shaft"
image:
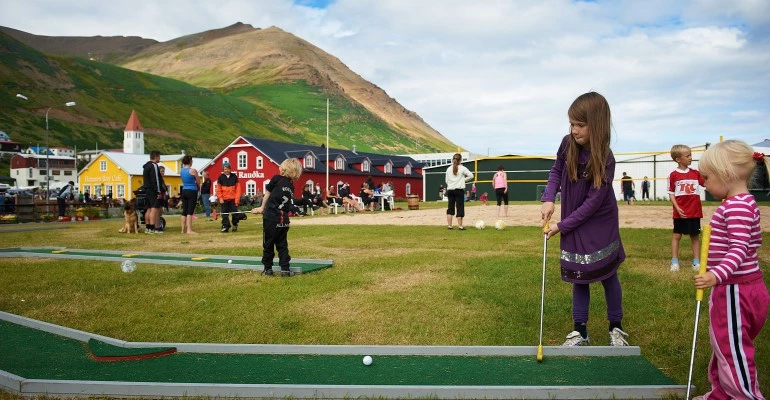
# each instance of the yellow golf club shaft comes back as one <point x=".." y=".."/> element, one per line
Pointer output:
<point x="704" y="258"/>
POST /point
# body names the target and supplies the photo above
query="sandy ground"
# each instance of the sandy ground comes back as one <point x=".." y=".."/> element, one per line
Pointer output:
<point x="635" y="216"/>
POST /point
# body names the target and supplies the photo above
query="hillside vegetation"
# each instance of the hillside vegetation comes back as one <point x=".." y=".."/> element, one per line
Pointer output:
<point x="179" y="115"/>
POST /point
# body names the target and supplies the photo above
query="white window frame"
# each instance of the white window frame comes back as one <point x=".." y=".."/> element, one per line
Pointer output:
<point x="97" y="191"/>
<point x="251" y="188"/>
<point x="408" y="169"/>
<point x="408" y="188"/>
<point x="308" y="161"/>
<point x="260" y="162"/>
<point x="243" y="162"/>
<point x="365" y="166"/>
<point x="121" y="191"/>
<point x="264" y="187"/>
<point x="87" y="189"/>
<point x="388" y="167"/>
<point x="339" y="163"/>
<point x="102" y="166"/>
<point x="108" y="190"/>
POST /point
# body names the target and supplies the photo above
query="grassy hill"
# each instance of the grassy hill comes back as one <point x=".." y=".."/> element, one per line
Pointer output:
<point x="175" y="115"/>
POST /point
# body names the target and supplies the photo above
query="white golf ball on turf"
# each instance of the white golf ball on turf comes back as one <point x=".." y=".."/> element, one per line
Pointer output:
<point x="480" y="224"/>
<point x="367" y="360"/>
<point x="229" y="261"/>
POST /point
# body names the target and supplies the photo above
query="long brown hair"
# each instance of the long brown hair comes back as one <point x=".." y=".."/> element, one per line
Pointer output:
<point x="456" y="160"/>
<point x="592" y="109"/>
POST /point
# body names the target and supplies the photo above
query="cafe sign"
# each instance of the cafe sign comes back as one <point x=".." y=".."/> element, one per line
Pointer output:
<point x="103" y="179"/>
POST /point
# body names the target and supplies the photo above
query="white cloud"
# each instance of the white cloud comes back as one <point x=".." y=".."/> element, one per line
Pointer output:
<point x="499" y="74"/>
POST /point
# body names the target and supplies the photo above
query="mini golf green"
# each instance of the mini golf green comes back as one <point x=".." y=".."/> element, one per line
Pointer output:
<point x="299" y="266"/>
<point x="35" y="354"/>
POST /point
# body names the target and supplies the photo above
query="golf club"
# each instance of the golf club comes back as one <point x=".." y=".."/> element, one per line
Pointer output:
<point x="542" y="294"/>
<point x="704" y="257"/>
<point x="216" y="214"/>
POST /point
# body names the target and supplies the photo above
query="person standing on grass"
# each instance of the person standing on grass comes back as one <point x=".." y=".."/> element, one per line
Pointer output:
<point x="500" y="183"/>
<point x="279" y="202"/>
<point x="154" y="191"/>
<point x="189" y="177"/>
<point x="739" y="299"/>
<point x="591" y="249"/>
<point x="229" y="196"/>
<point x="163" y="202"/>
<point x="684" y="192"/>
<point x="206" y="194"/>
<point x="456" y="176"/>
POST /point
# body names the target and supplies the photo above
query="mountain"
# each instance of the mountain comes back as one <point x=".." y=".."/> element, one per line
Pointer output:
<point x="286" y="78"/>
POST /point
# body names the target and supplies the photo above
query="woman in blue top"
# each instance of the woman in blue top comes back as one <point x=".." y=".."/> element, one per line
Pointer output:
<point x="189" y="194"/>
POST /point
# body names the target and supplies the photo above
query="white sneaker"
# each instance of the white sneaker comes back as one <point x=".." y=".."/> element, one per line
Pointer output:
<point x="618" y="338"/>
<point x="575" y="339"/>
<point x="696" y="267"/>
<point x="674" y="267"/>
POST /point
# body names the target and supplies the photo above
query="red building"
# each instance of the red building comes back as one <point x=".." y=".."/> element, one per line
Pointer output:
<point x="255" y="161"/>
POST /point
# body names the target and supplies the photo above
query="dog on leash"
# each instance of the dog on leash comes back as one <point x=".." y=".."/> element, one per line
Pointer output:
<point x="130" y="218"/>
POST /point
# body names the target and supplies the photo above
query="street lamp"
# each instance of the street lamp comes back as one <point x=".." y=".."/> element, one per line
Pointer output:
<point x="47" y="151"/>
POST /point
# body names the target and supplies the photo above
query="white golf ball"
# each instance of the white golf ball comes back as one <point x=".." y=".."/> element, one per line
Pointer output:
<point x="229" y="261"/>
<point x="128" y="266"/>
<point x="500" y="225"/>
<point x="480" y="224"/>
<point x="367" y="360"/>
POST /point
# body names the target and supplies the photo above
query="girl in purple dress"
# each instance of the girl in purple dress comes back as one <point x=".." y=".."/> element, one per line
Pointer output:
<point x="591" y="250"/>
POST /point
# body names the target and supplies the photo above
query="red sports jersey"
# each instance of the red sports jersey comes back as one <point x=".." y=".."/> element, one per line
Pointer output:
<point x="685" y="186"/>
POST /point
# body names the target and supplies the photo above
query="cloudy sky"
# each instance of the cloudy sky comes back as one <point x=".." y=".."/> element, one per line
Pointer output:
<point x="498" y="76"/>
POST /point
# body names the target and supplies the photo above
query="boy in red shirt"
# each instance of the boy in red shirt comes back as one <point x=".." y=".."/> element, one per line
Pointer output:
<point x="684" y="191"/>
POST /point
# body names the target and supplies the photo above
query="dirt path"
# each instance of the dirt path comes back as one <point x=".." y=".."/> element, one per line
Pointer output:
<point x="637" y="216"/>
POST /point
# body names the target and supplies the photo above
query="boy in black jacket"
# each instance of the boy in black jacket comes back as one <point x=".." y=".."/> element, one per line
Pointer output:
<point x="278" y="203"/>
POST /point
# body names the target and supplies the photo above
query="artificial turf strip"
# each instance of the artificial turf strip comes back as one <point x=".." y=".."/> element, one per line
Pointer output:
<point x="34" y="354"/>
<point x="101" y="351"/>
<point x="212" y="259"/>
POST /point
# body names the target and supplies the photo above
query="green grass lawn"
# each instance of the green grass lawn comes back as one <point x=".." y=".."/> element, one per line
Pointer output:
<point x="410" y="285"/>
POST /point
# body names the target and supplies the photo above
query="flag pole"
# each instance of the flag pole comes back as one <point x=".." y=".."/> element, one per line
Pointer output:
<point x="327" y="145"/>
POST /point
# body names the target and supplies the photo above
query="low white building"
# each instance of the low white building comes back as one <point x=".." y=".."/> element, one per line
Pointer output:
<point x="32" y="170"/>
<point x="63" y="152"/>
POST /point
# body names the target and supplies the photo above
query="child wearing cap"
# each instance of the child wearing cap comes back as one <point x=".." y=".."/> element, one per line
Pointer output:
<point x="228" y="195"/>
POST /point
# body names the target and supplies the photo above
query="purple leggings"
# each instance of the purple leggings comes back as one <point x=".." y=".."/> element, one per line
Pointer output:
<point x="613" y="294"/>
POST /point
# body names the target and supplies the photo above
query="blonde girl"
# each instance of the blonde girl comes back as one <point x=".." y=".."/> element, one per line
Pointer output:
<point x="739" y="298"/>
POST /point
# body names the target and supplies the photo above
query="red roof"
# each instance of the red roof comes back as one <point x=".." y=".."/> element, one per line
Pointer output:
<point x="133" y="123"/>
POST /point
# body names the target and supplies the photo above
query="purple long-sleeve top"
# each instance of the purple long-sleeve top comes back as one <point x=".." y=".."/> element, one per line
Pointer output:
<point x="591" y="249"/>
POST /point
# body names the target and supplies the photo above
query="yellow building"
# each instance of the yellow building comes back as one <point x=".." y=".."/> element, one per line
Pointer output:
<point x="121" y="173"/>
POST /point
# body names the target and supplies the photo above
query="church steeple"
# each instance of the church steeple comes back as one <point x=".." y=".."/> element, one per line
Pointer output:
<point x="133" y="135"/>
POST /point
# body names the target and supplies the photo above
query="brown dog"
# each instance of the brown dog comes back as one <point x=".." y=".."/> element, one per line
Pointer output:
<point x="130" y="218"/>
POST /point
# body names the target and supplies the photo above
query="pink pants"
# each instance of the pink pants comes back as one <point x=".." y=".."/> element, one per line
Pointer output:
<point x="737" y="313"/>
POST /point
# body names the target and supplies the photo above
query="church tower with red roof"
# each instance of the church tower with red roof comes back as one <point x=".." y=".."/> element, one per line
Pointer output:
<point x="133" y="136"/>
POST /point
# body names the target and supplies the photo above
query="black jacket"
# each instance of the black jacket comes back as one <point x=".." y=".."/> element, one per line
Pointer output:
<point x="153" y="182"/>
